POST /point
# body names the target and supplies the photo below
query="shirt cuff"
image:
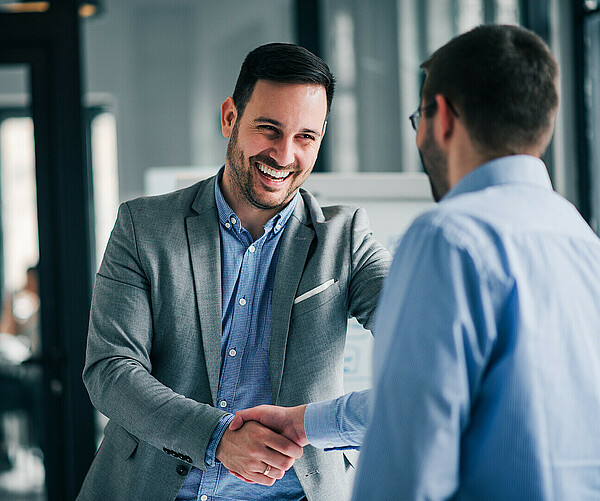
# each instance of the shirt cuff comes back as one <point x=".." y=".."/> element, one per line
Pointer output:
<point x="338" y="424"/>
<point x="215" y="438"/>
<point x="320" y="425"/>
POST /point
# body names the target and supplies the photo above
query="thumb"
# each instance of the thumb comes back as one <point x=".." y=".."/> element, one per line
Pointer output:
<point x="237" y="422"/>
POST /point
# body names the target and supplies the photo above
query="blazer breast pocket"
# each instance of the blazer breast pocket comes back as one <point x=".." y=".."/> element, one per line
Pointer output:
<point x="315" y="297"/>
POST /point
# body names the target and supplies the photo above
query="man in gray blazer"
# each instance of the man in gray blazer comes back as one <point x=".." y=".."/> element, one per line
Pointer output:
<point x="231" y="293"/>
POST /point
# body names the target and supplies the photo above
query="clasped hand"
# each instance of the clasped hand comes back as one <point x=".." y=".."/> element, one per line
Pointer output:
<point x="260" y="437"/>
<point x="247" y="450"/>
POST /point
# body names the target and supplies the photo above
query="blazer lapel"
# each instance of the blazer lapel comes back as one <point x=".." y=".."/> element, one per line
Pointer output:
<point x="295" y="243"/>
<point x="205" y="251"/>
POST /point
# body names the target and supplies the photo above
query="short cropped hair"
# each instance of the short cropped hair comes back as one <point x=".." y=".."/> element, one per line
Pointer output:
<point x="504" y="82"/>
<point x="285" y="63"/>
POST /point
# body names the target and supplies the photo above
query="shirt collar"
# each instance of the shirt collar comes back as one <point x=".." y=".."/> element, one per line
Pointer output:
<point x="229" y="218"/>
<point x="522" y="169"/>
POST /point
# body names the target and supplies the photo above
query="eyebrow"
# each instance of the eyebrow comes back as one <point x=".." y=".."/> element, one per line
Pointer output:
<point x="277" y="123"/>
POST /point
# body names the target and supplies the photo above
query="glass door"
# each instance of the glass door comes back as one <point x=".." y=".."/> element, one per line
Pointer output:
<point x="47" y="419"/>
<point x="22" y="410"/>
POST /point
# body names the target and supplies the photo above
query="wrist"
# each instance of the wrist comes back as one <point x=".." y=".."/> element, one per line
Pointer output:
<point x="219" y="446"/>
<point x="214" y="447"/>
<point x="300" y="430"/>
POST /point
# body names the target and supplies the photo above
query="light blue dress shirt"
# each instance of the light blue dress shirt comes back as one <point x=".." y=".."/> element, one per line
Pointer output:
<point x="487" y="349"/>
<point x="338" y="424"/>
<point x="247" y="277"/>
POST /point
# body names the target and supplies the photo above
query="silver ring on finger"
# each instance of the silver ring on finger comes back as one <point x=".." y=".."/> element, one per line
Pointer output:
<point x="267" y="470"/>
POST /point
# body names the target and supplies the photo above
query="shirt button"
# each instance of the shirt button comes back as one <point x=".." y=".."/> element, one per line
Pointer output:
<point x="232" y="353"/>
<point x="242" y="301"/>
<point x="204" y="497"/>
<point x="223" y="403"/>
<point x="233" y="220"/>
<point x="182" y="470"/>
<point x="251" y="248"/>
<point x="227" y="225"/>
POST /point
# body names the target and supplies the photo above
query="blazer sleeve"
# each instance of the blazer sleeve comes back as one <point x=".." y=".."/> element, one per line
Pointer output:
<point x="118" y="368"/>
<point x="370" y="265"/>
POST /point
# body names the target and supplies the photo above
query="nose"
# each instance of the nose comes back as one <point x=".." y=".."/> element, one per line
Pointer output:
<point x="283" y="152"/>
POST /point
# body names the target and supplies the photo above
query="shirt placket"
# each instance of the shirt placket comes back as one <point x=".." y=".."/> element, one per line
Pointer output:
<point x="237" y="340"/>
<point x="240" y="327"/>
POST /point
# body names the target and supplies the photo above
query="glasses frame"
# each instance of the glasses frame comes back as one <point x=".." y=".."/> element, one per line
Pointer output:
<point x="415" y="118"/>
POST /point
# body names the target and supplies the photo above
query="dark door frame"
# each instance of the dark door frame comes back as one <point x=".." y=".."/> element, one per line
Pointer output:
<point x="535" y="15"/>
<point x="581" y="14"/>
<point x="48" y="43"/>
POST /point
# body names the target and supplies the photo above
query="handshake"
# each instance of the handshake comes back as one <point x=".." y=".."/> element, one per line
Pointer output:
<point x="263" y="442"/>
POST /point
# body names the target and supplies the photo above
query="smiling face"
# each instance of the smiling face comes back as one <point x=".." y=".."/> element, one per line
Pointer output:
<point x="273" y="146"/>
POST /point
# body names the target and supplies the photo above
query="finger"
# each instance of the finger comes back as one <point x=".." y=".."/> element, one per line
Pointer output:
<point x="275" y="473"/>
<point x="277" y="460"/>
<point x="245" y="415"/>
<point x="259" y="478"/>
<point x="237" y="475"/>
<point x="252" y="414"/>
<point x="237" y="422"/>
<point x="283" y="445"/>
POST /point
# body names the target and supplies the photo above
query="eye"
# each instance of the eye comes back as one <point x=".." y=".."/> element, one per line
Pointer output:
<point x="269" y="129"/>
<point x="308" y="137"/>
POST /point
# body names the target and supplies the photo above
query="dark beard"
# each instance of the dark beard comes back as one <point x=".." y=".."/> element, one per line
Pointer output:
<point x="235" y="159"/>
<point x="241" y="180"/>
<point x="435" y="165"/>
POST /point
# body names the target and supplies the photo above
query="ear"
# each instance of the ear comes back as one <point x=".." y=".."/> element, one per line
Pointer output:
<point x="324" y="129"/>
<point x="228" y="116"/>
<point x="446" y="123"/>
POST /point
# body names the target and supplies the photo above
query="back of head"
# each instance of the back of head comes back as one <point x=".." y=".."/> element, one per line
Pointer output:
<point x="284" y="63"/>
<point x="503" y="80"/>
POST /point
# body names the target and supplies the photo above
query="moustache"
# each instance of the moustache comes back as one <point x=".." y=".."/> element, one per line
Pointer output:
<point x="267" y="160"/>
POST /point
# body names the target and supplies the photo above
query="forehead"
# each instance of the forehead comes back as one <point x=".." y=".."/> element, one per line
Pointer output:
<point x="300" y="105"/>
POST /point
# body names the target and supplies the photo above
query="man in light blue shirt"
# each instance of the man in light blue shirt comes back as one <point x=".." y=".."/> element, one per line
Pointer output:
<point x="487" y="340"/>
<point x="487" y="357"/>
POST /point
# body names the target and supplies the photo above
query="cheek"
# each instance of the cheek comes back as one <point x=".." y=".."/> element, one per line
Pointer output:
<point x="306" y="162"/>
<point x="253" y="144"/>
<point x="308" y="156"/>
<point x="419" y="137"/>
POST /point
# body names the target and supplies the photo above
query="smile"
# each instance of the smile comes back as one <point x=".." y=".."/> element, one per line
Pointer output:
<point x="272" y="173"/>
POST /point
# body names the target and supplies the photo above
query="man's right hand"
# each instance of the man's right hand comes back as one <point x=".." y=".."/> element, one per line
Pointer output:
<point x="289" y="421"/>
<point x="247" y="451"/>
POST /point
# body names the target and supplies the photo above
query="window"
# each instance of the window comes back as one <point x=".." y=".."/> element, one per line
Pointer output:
<point x="103" y="147"/>
<point x="374" y="49"/>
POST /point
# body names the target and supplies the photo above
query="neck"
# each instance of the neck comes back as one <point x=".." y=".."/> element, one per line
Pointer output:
<point x="463" y="157"/>
<point x="251" y="217"/>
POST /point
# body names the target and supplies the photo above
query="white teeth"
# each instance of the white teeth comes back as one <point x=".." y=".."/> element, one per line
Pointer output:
<point x="272" y="172"/>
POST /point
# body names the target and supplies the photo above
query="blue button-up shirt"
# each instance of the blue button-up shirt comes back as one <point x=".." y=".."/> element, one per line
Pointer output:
<point x="340" y="423"/>
<point x="487" y="349"/>
<point x="247" y="277"/>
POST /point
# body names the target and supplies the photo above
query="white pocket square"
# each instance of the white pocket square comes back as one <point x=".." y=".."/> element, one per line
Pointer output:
<point x="314" y="291"/>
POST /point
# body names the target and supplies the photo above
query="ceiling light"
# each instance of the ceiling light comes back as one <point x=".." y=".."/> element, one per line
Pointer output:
<point x="86" y="8"/>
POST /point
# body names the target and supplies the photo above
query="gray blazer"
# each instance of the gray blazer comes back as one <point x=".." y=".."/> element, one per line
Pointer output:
<point x="154" y="342"/>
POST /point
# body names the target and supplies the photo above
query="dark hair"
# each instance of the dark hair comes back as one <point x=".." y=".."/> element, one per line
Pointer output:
<point x="503" y="81"/>
<point x="285" y="63"/>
